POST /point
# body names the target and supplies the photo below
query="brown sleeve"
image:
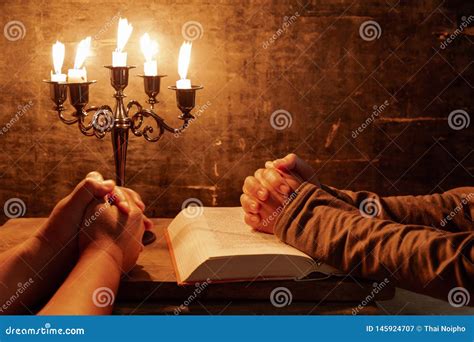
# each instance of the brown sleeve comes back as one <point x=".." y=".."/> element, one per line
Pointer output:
<point x="452" y="211"/>
<point x="415" y="257"/>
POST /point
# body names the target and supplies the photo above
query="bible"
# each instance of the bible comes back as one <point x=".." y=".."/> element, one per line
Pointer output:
<point x="214" y="244"/>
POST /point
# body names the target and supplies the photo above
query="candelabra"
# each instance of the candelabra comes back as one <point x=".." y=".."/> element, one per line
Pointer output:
<point x="97" y="121"/>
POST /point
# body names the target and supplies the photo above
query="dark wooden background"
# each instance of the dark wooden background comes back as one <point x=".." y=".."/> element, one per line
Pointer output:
<point x="320" y="70"/>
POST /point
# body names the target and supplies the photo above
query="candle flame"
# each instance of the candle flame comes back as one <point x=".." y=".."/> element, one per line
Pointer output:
<point x="82" y="52"/>
<point x="123" y="34"/>
<point x="149" y="47"/>
<point x="184" y="59"/>
<point x="58" y="56"/>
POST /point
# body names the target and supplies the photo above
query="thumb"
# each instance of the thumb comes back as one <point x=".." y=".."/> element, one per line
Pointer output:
<point x="293" y="164"/>
<point x="93" y="186"/>
<point x="288" y="163"/>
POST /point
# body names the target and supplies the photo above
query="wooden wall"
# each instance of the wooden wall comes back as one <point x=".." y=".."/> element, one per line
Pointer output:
<point x="254" y="57"/>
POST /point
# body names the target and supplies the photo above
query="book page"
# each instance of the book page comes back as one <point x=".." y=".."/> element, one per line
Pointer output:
<point x="226" y="234"/>
<point x="187" y="244"/>
<point x="220" y="234"/>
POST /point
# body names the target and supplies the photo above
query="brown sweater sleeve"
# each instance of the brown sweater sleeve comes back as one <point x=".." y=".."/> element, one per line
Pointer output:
<point x="452" y="211"/>
<point x="415" y="257"/>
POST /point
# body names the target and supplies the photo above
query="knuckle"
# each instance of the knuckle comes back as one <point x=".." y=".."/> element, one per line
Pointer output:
<point x="250" y="184"/>
<point x="94" y="174"/>
<point x="270" y="174"/>
<point x="259" y="173"/>
<point x="246" y="187"/>
<point x="248" y="181"/>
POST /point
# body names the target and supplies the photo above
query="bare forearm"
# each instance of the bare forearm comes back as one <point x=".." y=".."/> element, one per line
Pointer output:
<point x="29" y="274"/>
<point x="91" y="286"/>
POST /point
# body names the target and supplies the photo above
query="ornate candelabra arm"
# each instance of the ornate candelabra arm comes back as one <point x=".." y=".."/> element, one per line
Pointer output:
<point x="101" y="122"/>
<point x="86" y="128"/>
<point x="137" y="121"/>
<point x="63" y="119"/>
<point x="179" y="129"/>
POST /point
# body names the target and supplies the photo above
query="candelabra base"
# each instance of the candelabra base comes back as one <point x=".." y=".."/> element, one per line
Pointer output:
<point x="148" y="238"/>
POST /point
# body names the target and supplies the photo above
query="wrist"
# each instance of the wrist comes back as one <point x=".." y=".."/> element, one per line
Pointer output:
<point x="108" y="249"/>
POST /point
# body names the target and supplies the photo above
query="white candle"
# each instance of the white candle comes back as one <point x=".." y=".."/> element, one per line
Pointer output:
<point x="150" y="68"/>
<point x="183" y="84"/>
<point x="149" y="49"/>
<point x="183" y="65"/>
<point x="58" y="77"/>
<point x="119" y="57"/>
<point x="58" y="59"/>
<point x="77" y="75"/>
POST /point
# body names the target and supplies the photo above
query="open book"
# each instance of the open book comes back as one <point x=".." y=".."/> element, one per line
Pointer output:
<point x="216" y="244"/>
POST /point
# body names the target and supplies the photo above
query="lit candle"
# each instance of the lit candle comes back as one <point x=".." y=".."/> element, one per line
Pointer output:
<point x="183" y="64"/>
<point x="58" y="59"/>
<point x="119" y="57"/>
<point x="79" y="73"/>
<point x="149" y="49"/>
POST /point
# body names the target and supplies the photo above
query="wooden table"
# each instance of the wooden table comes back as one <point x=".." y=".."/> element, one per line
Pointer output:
<point x="151" y="288"/>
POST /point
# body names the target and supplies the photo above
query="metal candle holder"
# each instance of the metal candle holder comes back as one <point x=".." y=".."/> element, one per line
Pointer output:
<point x="119" y="121"/>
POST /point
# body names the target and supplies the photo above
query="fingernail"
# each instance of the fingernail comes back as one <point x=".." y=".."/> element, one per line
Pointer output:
<point x="261" y="194"/>
<point x="285" y="189"/>
<point x="254" y="206"/>
<point x="254" y="218"/>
